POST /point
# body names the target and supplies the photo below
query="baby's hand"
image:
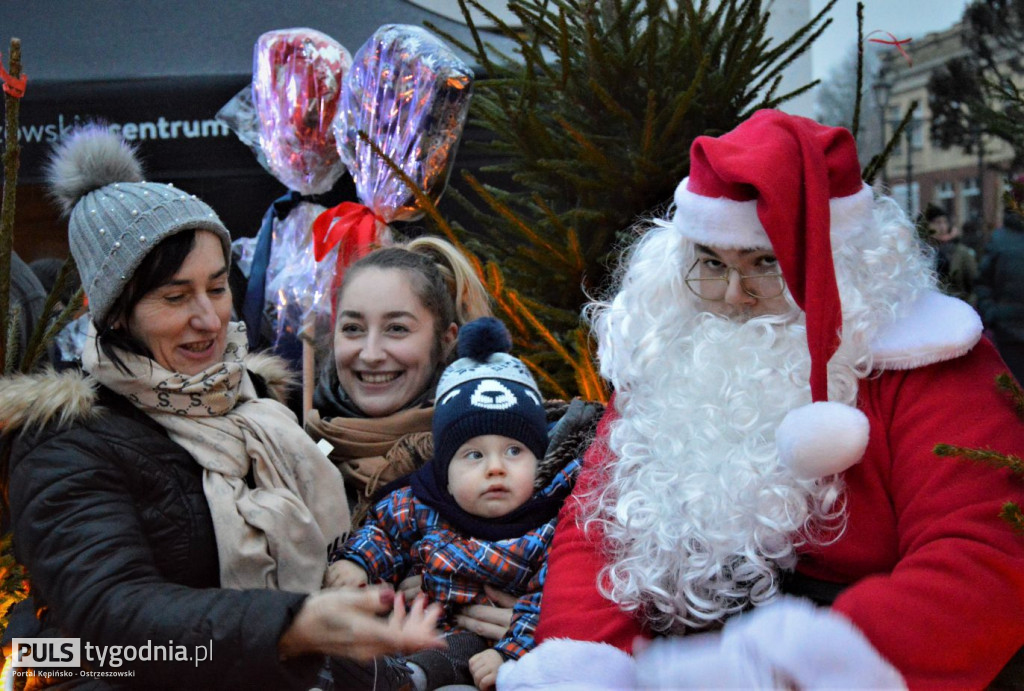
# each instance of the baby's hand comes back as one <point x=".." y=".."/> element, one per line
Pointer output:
<point x="346" y="622"/>
<point x="345" y="574"/>
<point x="415" y="628"/>
<point x="484" y="668"/>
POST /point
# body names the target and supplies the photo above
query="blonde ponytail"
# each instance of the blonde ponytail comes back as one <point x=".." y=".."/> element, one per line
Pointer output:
<point x="468" y="293"/>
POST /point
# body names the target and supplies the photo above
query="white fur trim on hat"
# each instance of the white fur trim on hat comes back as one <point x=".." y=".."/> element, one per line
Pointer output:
<point x="566" y="665"/>
<point x="729" y="224"/>
<point x="822" y="439"/>
<point x="935" y="328"/>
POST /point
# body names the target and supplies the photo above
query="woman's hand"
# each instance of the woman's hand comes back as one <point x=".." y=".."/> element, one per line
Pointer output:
<point x="489" y="621"/>
<point x="345" y="623"/>
<point x="484" y="668"/>
<point x="345" y="574"/>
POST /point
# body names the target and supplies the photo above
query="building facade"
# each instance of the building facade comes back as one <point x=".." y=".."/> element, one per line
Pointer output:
<point x="968" y="185"/>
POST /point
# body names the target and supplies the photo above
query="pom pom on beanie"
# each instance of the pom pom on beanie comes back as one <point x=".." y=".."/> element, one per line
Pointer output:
<point x="481" y="338"/>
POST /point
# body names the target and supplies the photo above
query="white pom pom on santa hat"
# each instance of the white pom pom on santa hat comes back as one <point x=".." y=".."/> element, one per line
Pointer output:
<point x="821" y="439"/>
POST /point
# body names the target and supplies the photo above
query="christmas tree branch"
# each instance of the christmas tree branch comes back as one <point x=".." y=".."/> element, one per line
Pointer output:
<point x="511" y="217"/>
<point x="11" y="337"/>
<point x="13" y="580"/>
<point x="1013" y="515"/>
<point x="855" y="128"/>
<point x="1009" y="385"/>
<point x="509" y="302"/>
<point x="11" y="154"/>
<point x="45" y="328"/>
<point x="982" y="456"/>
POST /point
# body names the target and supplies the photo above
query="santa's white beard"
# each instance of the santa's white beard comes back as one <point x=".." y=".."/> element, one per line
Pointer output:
<point x="698" y="514"/>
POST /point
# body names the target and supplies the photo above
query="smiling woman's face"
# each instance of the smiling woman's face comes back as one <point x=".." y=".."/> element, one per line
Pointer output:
<point x="184" y="322"/>
<point x="385" y="342"/>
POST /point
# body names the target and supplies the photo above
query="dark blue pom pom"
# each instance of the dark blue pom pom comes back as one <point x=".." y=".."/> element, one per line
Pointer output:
<point x="482" y="337"/>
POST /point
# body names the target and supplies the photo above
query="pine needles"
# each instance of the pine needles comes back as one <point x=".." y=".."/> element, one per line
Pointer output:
<point x="588" y="130"/>
<point x="1011" y="512"/>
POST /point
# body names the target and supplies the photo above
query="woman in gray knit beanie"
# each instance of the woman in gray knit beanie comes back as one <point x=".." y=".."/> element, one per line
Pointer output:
<point x="160" y="496"/>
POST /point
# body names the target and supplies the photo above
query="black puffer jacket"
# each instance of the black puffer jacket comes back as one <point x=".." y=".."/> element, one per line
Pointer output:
<point x="110" y="520"/>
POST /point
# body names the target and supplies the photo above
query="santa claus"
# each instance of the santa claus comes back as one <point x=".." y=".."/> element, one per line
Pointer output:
<point x="783" y="366"/>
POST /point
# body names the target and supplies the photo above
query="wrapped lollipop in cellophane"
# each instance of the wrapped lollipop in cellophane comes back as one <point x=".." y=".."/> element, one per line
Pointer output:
<point x="295" y="94"/>
<point x="408" y="94"/>
<point x="297" y="76"/>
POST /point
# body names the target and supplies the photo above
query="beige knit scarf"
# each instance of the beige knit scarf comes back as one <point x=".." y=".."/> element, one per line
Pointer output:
<point x="278" y="534"/>
<point x="371" y="452"/>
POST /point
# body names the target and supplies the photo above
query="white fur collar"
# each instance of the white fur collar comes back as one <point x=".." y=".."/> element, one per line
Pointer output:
<point x="935" y="328"/>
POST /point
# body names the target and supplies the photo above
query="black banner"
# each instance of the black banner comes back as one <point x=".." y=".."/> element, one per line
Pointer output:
<point x="171" y="119"/>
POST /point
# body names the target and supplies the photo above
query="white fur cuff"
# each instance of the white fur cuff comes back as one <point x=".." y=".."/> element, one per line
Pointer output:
<point x="561" y="664"/>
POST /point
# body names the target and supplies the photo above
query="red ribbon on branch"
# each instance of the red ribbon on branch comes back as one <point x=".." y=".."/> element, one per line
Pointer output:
<point x="13" y="86"/>
<point x="350" y="226"/>
<point x="893" y="41"/>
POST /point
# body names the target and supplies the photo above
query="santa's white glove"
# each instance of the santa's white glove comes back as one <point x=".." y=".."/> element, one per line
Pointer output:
<point x="786" y="644"/>
<point x="560" y="664"/>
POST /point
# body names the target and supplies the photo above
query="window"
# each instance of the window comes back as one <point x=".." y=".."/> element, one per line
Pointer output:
<point x="970" y="195"/>
<point x="916" y="127"/>
<point x="945" y="197"/>
<point x="912" y="205"/>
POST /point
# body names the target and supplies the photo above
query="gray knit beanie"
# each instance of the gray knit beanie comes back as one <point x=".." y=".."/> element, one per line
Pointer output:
<point x="115" y="216"/>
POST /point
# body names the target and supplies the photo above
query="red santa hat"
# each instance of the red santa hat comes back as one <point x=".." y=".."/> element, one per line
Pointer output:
<point x="788" y="183"/>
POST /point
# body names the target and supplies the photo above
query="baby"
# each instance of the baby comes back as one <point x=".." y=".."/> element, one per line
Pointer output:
<point x="481" y="512"/>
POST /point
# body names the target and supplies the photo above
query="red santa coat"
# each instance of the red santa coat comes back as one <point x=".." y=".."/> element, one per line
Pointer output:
<point x="936" y="578"/>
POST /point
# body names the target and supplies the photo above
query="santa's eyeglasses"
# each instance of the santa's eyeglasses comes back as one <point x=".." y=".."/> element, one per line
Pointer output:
<point x="711" y="283"/>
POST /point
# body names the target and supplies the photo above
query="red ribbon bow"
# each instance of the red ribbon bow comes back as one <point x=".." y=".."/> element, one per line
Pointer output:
<point x="12" y="86"/>
<point x="893" y="41"/>
<point x="350" y="225"/>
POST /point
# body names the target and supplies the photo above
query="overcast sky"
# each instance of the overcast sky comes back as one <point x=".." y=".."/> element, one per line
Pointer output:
<point x="902" y="18"/>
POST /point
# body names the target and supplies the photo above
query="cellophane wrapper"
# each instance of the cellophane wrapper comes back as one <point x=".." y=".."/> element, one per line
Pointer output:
<point x="409" y="93"/>
<point x="298" y="287"/>
<point x="297" y="76"/>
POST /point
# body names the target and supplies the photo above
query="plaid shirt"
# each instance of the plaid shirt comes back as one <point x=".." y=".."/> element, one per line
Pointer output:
<point x="402" y="536"/>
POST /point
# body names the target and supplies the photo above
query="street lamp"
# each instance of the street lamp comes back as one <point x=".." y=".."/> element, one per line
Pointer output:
<point x="976" y="135"/>
<point x="911" y="126"/>
<point x="882" y="88"/>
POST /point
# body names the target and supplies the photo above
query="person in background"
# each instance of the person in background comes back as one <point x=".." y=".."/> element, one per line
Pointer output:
<point x="70" y="341"/>
<point x="480" y="512"/>
<point x="1000" y="291"/>
<point x="762" y="507"/>
<point x="28" y="297"/>
<point x="162" y="493"/>
<point x="46" y="270"/>
<point x="972" y="234"/>
<point x="397" y="314"/>
<point x="956" y="263"/>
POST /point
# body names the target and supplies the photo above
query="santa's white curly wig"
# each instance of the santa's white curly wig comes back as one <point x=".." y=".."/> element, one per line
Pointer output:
<point x="698" y="514"/>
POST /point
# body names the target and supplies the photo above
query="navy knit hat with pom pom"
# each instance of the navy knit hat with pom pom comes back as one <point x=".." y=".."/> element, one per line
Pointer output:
<point x="115" y="217"/>
<point x="486" y="391"/>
